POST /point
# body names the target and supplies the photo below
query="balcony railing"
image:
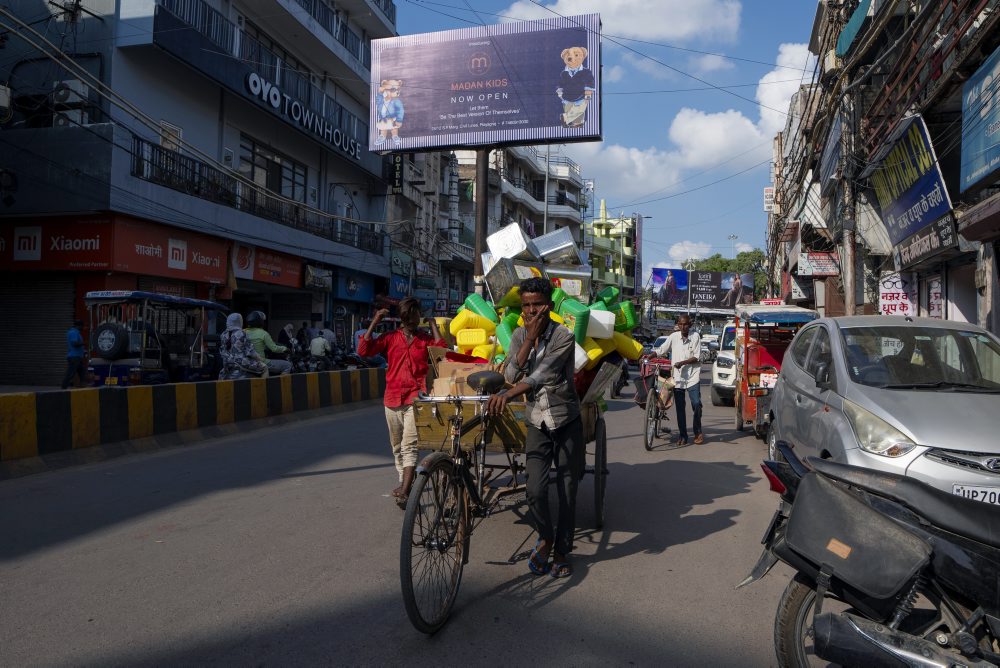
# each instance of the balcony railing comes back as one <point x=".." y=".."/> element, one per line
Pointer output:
<point x="171" y="169"/>
<point x="224" y="33"/>
<point x="333" y="23"/>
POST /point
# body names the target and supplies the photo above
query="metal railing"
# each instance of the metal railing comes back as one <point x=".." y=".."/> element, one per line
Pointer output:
<point x="171" y="169"/>
<point x="333" y="22"/>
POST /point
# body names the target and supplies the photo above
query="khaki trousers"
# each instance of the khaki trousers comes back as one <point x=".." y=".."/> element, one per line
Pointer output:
<point x="402" y="436"/>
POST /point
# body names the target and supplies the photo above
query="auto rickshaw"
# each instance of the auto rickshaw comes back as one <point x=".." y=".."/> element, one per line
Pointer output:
<point x="763" y="334"/>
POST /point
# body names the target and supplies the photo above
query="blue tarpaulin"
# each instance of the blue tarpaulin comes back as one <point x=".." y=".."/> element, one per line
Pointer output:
<point x="852" y="28"/>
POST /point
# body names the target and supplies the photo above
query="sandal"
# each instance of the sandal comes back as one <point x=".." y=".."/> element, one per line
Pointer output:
<point x="538" y="564"/>
<point x="561" y="568"/>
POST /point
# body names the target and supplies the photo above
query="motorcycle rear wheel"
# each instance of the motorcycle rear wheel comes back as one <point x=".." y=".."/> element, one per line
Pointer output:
<point x="793" y="634"/>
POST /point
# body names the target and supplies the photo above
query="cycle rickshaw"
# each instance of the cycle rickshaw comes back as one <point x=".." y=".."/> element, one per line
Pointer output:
<point x="477" y="466"/>
<point x="654" y="393"/>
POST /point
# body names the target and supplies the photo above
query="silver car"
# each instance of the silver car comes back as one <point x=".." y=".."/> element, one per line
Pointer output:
<point x="914" y="396"/>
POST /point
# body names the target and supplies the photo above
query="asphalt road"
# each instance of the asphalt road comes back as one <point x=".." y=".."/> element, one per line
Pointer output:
<point x="280" y="547"/>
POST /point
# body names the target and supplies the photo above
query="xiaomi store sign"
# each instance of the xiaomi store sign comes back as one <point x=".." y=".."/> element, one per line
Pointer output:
<point x="114" y="243"/>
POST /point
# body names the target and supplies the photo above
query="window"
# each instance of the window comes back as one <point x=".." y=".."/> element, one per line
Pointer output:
<point x="170" y="136"/>
<point x="800" y="347"/>
<point x="272" y="170"/>
<point x="821" y="354"/>
<point x="275" y="63"/>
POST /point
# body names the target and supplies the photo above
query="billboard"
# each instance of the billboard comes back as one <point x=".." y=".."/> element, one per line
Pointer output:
<point x="708" y="289"/>
<point x="908" y="182"/>
<point x="522" y="82"/>
<point x="670" y="286"/>
<point x="980" y="124"/>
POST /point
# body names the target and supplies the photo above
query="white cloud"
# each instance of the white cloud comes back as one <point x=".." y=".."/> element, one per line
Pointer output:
<point x="704" y="140"/>
<point x="743" y="247"/>
<point x="613" y="74"/>
<point x="669" y="20"/>
<point x="684" y="250"/>
<point x="772" y="95"/>
<point x="709" y="63"/>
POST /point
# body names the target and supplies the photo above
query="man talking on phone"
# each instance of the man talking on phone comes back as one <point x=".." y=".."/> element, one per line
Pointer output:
<point x="540" y="365"/>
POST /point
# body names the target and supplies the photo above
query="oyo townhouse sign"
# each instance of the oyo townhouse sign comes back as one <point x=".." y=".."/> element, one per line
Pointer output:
<point x="301" y="115"/>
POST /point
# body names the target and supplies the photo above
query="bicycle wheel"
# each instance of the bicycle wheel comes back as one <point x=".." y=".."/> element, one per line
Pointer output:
<point x="652" y="418"/>
<point x="433" y="545"/>
<point x="600" y="470"/>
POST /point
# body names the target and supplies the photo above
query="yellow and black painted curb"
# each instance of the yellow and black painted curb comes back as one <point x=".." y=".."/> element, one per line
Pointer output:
<point x="43" y="423"/>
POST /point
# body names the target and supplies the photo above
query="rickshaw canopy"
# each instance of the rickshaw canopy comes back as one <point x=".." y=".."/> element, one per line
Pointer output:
<point x="112" y="296"/>
<point x="760" y="314"/>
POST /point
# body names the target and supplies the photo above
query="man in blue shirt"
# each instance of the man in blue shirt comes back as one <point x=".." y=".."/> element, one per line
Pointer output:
<point x="75" y="353"/>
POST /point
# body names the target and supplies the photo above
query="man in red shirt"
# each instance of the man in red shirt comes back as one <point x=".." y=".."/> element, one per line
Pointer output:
<point x="406" y="350"/>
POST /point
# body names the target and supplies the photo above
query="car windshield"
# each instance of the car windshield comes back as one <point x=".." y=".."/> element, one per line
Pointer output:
<point x="729" y="339"/>
<point x="659" y="342"/>
<point x="917" y="358"/>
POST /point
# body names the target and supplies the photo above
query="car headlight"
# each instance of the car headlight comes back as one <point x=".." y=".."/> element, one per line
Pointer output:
<point x="874" y="434"/>
<point x="725" y="362"/>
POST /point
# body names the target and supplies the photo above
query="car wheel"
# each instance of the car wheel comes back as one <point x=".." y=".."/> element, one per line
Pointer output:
<point x="716" y="397"/>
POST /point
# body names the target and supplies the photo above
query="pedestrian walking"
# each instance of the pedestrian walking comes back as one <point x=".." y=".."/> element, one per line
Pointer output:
<point x="684" y="348"/>
<point x="406" y="351"/>
<point x="75" y="355"/>
<point x="541" y="366"/>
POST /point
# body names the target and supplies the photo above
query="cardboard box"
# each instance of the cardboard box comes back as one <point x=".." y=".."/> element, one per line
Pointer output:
<point x="451" y="377"/>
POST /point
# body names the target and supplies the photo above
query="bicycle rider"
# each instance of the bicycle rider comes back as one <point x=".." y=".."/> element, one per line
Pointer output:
<point x="541" y="369"/>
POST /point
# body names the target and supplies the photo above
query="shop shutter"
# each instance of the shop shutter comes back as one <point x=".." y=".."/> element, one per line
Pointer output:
<point x="37" y="312"/>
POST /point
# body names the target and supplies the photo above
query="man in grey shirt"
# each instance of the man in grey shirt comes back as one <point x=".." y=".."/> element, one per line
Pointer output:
<point x="540" y="366"/>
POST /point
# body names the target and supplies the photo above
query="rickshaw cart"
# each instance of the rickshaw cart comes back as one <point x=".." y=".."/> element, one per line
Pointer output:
<point x="476" y="469"/>
<point x="763" y="333"/>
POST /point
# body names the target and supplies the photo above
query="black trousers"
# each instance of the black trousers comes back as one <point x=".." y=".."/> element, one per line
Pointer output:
<point x="74" y="367"/>
<point x="564" y="449"/>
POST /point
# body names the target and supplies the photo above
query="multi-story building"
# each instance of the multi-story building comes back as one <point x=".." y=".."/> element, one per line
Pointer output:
<point x="887" y="166"/>
<point x="210" y="148"/>
<point x="613" y="243"/>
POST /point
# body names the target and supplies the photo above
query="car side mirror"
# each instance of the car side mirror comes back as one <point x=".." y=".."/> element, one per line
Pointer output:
<point x="824" y="380"/>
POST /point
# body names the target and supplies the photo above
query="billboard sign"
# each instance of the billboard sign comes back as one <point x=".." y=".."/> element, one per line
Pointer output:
<point x="670" y="286"/>
<point x="925" y="244"/>
<point x="519" y="82"/>
<point x="708" y="289"/>
<point x="908" y="182"/>
<point x="818" y="264"/>
<point x="981" y="124"/>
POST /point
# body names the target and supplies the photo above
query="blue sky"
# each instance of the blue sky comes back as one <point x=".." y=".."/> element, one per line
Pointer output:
<point x="662" y="139"/>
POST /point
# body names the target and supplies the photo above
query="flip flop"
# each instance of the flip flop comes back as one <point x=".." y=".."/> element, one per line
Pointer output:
<point x="561" y="569"/>
<point x="533" y="560"/>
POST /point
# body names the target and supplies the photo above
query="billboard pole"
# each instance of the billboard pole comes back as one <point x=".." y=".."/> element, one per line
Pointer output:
<point x="482" y="194"/>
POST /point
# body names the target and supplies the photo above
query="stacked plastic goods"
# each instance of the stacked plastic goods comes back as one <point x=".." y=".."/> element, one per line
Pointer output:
<point x="484" y="329"/>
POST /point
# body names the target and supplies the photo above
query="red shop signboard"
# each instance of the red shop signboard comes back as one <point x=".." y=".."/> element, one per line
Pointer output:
<point x="156" y="250"/>
<point x="258" y="264"/>
<point x="60" y="244"/>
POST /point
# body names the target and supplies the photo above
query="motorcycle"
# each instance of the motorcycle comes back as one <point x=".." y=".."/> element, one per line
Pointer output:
<point x="890" y="571"/>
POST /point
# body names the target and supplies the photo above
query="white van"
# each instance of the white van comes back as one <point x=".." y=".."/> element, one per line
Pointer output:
<point x="724" y="368"/>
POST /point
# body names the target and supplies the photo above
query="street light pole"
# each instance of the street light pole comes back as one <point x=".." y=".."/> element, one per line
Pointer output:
<point x="733" y="238"/>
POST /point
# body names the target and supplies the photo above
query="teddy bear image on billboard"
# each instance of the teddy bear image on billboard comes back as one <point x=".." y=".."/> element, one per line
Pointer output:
<point x="388" y="111"/>
<point x="576" y="87"/>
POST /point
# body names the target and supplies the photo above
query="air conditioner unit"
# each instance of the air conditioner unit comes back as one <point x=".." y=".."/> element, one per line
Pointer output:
<point x="70" y="118"/>
<point x="70" y="92"/>
<point x="831" y="63"/>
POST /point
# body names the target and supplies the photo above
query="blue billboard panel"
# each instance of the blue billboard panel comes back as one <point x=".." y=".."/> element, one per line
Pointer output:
<point x="908" y="184"/>
<point x="522" y="82"/>
<point x="981" y="124"/>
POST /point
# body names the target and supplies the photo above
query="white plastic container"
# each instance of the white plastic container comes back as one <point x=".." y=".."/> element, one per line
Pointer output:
<point x="581" y="359"/>
<point x="601" y="325"/>
<point x="512" y="242"/>
<point x="558" y="247"/>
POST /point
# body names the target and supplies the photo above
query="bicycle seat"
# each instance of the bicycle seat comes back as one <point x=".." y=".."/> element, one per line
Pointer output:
<point x="485" y="382"/>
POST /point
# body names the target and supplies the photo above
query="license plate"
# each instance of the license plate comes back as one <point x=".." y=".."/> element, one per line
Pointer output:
<point x="351" y="367"/>
<point x="984" y="494"/>
<point x="111" y="380"/>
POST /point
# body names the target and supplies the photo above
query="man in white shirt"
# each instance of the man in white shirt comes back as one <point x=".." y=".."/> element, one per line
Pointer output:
<point x="319" y="346"/>
<point x="684" y="349"/>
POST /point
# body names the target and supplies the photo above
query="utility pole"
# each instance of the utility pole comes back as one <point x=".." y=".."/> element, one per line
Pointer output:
<point x="482" y="228"/>
<point x="545" y="195"/>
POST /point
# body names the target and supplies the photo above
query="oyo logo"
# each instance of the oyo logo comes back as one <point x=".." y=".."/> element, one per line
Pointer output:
<point x="27" y="244"/>
<point x="177" y="251"/>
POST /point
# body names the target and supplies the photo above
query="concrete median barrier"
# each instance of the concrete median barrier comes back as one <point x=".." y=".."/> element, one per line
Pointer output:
<point x="36" y="424"/>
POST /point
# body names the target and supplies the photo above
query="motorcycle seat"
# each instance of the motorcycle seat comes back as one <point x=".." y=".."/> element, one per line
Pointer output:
<point x="965" y="517"/>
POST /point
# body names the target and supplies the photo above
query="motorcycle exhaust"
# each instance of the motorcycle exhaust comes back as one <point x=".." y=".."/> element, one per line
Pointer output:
<point x="853" y="641"/>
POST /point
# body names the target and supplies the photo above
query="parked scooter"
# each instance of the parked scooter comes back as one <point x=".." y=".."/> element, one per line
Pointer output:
<point x="890" y="571"/>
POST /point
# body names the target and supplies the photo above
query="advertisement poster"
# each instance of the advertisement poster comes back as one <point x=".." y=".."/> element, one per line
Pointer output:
<point x="818" y="264"/>
<point x="908" y="184"/>
<point x="518" y="82"/>
<point x="935" y="298"/>
<point x="981" y="124"/>
<point x="670" y="286"/>
<point x="897" y="293"/>
<point x="714" y="289"/>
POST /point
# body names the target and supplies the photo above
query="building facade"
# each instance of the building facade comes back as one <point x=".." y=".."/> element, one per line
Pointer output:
<point x="884" y="177"/>
<point x="613" y="244"/>
<point x="208" y="148"/>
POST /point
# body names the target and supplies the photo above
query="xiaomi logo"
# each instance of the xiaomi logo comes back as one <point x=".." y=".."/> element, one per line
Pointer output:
<point x="27" y="244"/>
<point x="177" y="253"/>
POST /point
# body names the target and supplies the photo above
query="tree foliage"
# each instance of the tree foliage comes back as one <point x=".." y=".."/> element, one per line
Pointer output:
<point x="747" y="262"/>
